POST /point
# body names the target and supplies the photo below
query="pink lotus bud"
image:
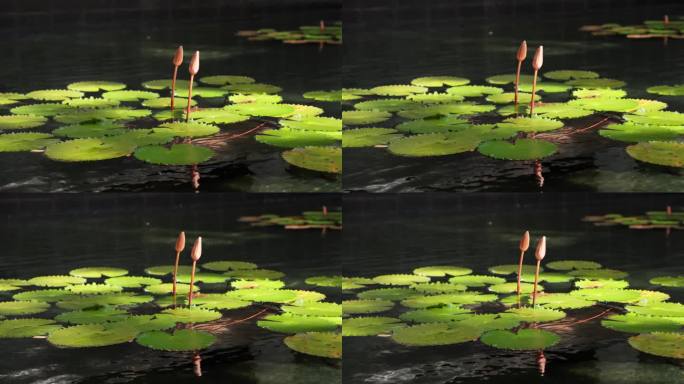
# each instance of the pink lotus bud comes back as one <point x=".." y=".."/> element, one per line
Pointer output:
<point x="522" y="51"/>
<point x="538" y="58"/>
<point x="178" y="57"/>
<point x="541" y="249"/>
<point x="180" y="242"/>
<point x="525" y="241"/>
<point x="196" y="249"/>
<point x="194" y="63"/>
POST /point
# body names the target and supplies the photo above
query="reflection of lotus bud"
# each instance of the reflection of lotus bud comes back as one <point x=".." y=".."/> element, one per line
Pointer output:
<point x="538" y="58"/>
<point x="178" y="57"/>
<point x="522" y="51"/>
<point x="525" y="241"/>
<point x="541" y="249"/>
<point x="180" y="242"/>
<point x="194" y="64"/>
<point x="196" y="249"/>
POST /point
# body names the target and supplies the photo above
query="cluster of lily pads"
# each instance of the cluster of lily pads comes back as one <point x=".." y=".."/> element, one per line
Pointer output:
<point x="446" y="115"/>
<point x="102" y="306"/>
<point x="95" y="117"/>
<point x="649" y="220"/>
<point x="442" y="305"/>
<point x="326" y="34"/>
<point x="325" y="219"/>
<point x="648" y="29"/>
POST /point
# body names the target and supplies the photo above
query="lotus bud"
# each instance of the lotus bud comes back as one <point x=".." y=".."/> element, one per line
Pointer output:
<point x="180" y="242"/>
<point x="522" y="51"/>
<point x="194" y="63"/>
<point x="525" y="241"/>
<point x="666" y="19"/>
<point x="178" y="57"/>
<point x="196" y="249"/>
<point x="321" y="25"/>
<point x="538" y="58"/>
<point x="541" y="249"/>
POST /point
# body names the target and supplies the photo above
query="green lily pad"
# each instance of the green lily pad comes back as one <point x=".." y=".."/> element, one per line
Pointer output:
<point x="92" y="316"/>
<point x="54" y="94"/>
<point x="261" y="109"/>
<point x="187" y="129"/>
<point x="563" y="301"/>
<point x="96" y="86"/>
<point x="549" y="277"/>
<point x="658" y="309"/>
<point x="438" y="287"/>
<point x="90" y="149"/>
<point x="228" y="265"/>
<point x="474" y="90"/>
<point x="599" y="92"/>
<point x="448" y="314"/>
<point x="477" y="280"/>
<point x="509" y="97"/>
<point x="144" y="323"/>
<point x="165" y="84"/>
<point x="178" y="154"/>
<point x="663" y="344"/>
<point x="434" y="98"/>
<point x="459" y="109"/>
<point x="636" y="133"/>
<point x="320" y="309"/>
<point x="460" y="298"/>
<point x="98" y="272"/>
<point x="424" y="335"/>
<point x="192" y="314"/>
<point x="360" y="117"/>
<point x="162" y="270"/>
<point x="292" y="138"/>
<point x="252" y="88"/>
<point x="599" y="273"/>
<point x="255" y="274"/>
<point x="524" y="339"/>
<point x="386" y="105"/>
<point x="179" y="340"/>
<point x="535" y="314"/>
<point x="667" y="153"/>
<point x="434" y="144"/>
<point x="351" y="307"/>
<point x="442" y="270"/>
<point x="368" y="137"/>
<point x="368" y="326"/>
<point x="202" y="277"/>
<point x="93" y="130"/>
<point x="596" y="83"/>
<point x="632" y="323"/>
<point x="507" y="269"/>
<point x="262" y="98"/>
<point x="601" y="283"/>
<point x="439" y="81"/>
<point x="512" y="287"/>
<point x="264" y="295"/>
<point x="257" y="283"/>
<point x="93" y="289"/>
<point x="668" y="281"/>
<point x="130" y="95"/>
<point x="164" y="288"/>
<point x="89" y="102"/>
<point x="531" y="124"/>
<point x="400" y="279"/>
<point x="289" y="323"/>
<point x="132" y="281"/>
<point x="42" y="109"/>
<point x="567" y="265"/>
<point x="56" y="281"/>
<point x="510" y="79"/>
<point x="324" y="281"/>
<point x="321" y="159"/>
<point x="26" y="327"/>
<point x="488" y="321"/>
<point x="667" y="90"/>
<point x="165" y="102"/>
<point x="392" y="294"/>
<point x="560" y="111"/>
<point x="25" y="141"/>
<point x="225" y="79"/>
<point x="521" y="149"/>
<point x="90" y="335"/>
<point x="219" y="301"/>
<point x="46" y="295"/>
<point x="608" y="295"/>
<point x="570" y="74"/>
<point x="323" y="95"/>
<point x="14" y="308"/>
<point x="91" y="115"/>
<point x="322" y="344"/>
<point x="21" y="121"/>
<point x="438" y="125"/>
<point x="314" y="123"/>
<point x="122" y="299"/>
<point x="606" y="104"/>
<point x="398" y="90"/>
<point x="546" y="87"/>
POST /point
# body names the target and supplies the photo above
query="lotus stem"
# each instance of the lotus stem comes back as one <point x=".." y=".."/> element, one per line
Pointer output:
<point x="521" y="55"/>
<point x="541" y="362"/>
<point x="537" y="62"/>
<point x="193" y="69"/>
<point x="180" y="246"/>
<point x="195" y="254"/>
<point x="177" y="61"/>
<point x="539" y="254"/>
<point x="197" y="364"/>
<point x="524" y="246"/>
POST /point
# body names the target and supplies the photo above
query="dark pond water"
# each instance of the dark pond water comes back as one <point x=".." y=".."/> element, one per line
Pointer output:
<point x="51" y="235"/>
<point x="397" y="233"/>
<point x="49" y="44"/>
<point x="392" y="42"/>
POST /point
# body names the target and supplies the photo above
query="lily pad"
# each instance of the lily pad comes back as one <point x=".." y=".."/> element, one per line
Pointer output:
<point x="460" y="298"/>
<point x="658" y="309"/>
<point x="477" y="280"/>
<point x="367" y="326"/>
<point x="510" y="79"/>
<point x="54" y="94"/>
<point x="560" y="111"/>
<point x="132" y="281"/>
<point x="165" y="102"/>
<point x="179" y="340"/>
<point x="14" y="308"/>
<point x="599" y="92"/>
<point x="93" y="289"/>
<point x="192" y="314"/>
<point x="439" y="81"/>
<point x="162" y="270"/>
<point x="608" y="295"/>
<point x="219" y="301"/>
<point x="640" y="132"/>
<point x="546" y="87"/>
<point x="164" y="288"/>
<point x="601" y="283"/>
<point x="25" y="141"/>
<point x="368" y="137"/>
<point x="667" y="153"/>
<point x="89" y="102"/>
<point x="596" y="83"/>
<point x="434" y="144"/>
<point x="321" y="159"/>
<point x="442" y="270"/>
<point x="509" y="97"/>
<point x="460" y="109"/>
<point x="668" y="281"/>
<point x="122" y="299"/>
<point x="21" y="121"/>
<point x="524" y="339"/>
<point x="92" y="316"/>
<point x="289" y="323"/>
<point x="228" y="265"/>
<point x="261" y="109"/>
<point x="91" y="115"/>
<point x="42" y="109"/>
<point x="264" y="295"/>
<point x="434" y="98"/>
<point x="360" y="117"/>
<point x="292" y="138"/>
<point x="663" y="344"/>
<point x="187" y="129"/>
<point x="255" y="274"/>
<point x="392" y="294"/>
<point x="165" y="84"/>
<point x="605" y="273"/>
<point x="322" y="344"/>
<point x="474" y="90"/>
<point x="531" y="124"/>
<point x="56" y="281"/>
<point x="535" y="314"/>
<point x="667" y="90"/>
<point x="96" y="86"/>
<point x="98" y="272"/>
<point x="325" y="281"/>
<point x="567" y="265"/>
<point x="423" y="335"/>
<point x="438" y="125"/>
<point x="46" y="295"/>
<point x="178" y="154"/>
<point x="400" y="279"/>
<point x="320" y="309"/>
<point x="632" y="323"/>
<point x="507" y="269"/>
<point x="447" y="314"/>
<point x="90" y="335"/>
<point x="438" y="287"/>
<point x="398" y="90"/>
<point x="263" y="98"/>
<point x="606" y="104"/>
<point x="512" y="287"/>
<point x="385" y="105"/>
<point x="130" y="95"/>
<point x="257" y="283"/>
<point x="351" y="307"/>
<point x="521" y="149"/>
<point x="94" y="130"/>
<point x="252" y="88"/>
<point x="314" y="123"/>
<point x="89" y="149"/>
<point x="26" y="327"/>
<point x="570" y="74"/>
<point x="563" y="301"/>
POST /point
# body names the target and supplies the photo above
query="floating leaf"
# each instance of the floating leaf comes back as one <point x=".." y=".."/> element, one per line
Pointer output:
<point x="165" y="84"/>
<point x="316" y="123"/>
<point x="442" y="270"/>
<point x="549" y="277"/>
<point x="90" y="335"/>
<point x="27" y="327"/>
<point x="56" y="281"/>
<point x="508" y="269"/>
<point x="369" y="326"/>
<point x="178" y="154"/>
<point x="477" y="280"/>
<point x="14" y="308"/>
<point x="567" y="265"/>
<point x="531" y="124"/>
<point x="164" y="288"/>
<point x="601" y="283"/>
<point x="423" y="335"/>
<point x="639" y="132"/>
<point x="521" y="149"/>
<point x="257" y="283"/>
<point x="325" y="281"/>
<point x="93" y="289"/>
<point x="289" y="323"/>
<point x="321" y="159"/>
<point x="439" y="81"/>
<point x="320" y="309"/>
<point x="84" y="150"/>
<point x="29" y="141"/>
<point x="161" y="270"/>
<point x="438" y="287"/>
<point x="202" y="277"/>
<point x="535" y="314"/>
<point x="98" y="272"/>
<point x="130" y="95"/>
<point x="668" y="281"/>
<point x="89" y="102"/>
<point x="667" y="90"/>
<point x="219" y="301"/>
<point x="44" y="109"/>
<point x="524" y="339"/>
<point x="488" y="321"/>
<point x="89" y="115"/>
<point x="474" y="90"/>
<point x="320" y="344"/>
<point x="434" y="98"/>
<point x="21" y="121"/>
<point x="599" y="92"/>
<point x="509" y="79"/>
<point x="599" y="273"/>
<point x="165" y="102"/>
<point x="123" y="299"/>
<point x="255" y="274"/>
<point x="609" y="295"/>
<point x="660" y="344"/>
<point x="192" y="314"/>
<point x="509" y="97"/>
<point x="511" y="287"/>
<point x="291" y="138"/>
<point x="360" y="117"/>
<point x="606" y="104"/>
<point x="596" y="83"/>
<point x="667" y="153"/>
<point x="392" y="294"/>
<point x="546" y="87"/>
<point x="563" y="301"/>
<point x="95" y="130"/>
<point x="187" y="129"/>
<point x="398" y="90"/>
<point x="632" y="323"/>
<point x="323" y="95"/>
<point x="658" y="309"/>
<point x="448" y="314"/>
<point x="351" y="307"/>
<point x="461" y="298"/>
<point x="227" y="265"/>
<point x="261" y="109"/>
<point x="92" y="316"/>
<point x="144" y="323"/>
<point x="54" y="94"/>
<point x="264" y="295"/>
<point x="434" y="144"/>
<point x="252" y="88"/>
<point x="386" y="105"/>
<point x="571" y="74"/>
<point x="400" y="279"/>
<point x="368" y="137"/>
<point x="96" y="86"/>
<point x="179" y="340"/>
<point x="464" y="108"/>
<point x="439" y="125"/>
<point x="132" y="281"/>
<point x="560" y="111"/>
<point x="254" y="98"/>
<point x="46" y="295"/>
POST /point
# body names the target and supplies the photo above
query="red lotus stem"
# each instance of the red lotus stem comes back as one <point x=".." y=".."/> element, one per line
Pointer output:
<point x="537" y="62"/>
<point x="177" y="61"/>
<point x="524" y="245"/>
<point x="520" y="56"/>
<point x="193" y="69"/>
<point x="180" y="246"/>
<point x="539" y="254"/>
<point x="195" y="254"/>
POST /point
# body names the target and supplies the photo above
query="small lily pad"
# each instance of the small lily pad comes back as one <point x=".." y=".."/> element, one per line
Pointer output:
<point x="164" y="288"/>
<point x="434" y="144"/>
<point x="56" y="281"/>
<point x="605" y="273"/>
<point x="367" y="326"/>
<point x="563" y="301"/>
<point x="255" y="274"/>
<point x="601" y="283"/>
<point x="325" y="281"/>
<point x="323" y="95"/>
<point x="165" y="102"/>
<point x="531" y="124"/>
<point x="510" y="79"/>
<point x="423" y="335"/>
<point x="96" y="86"/>
<point x="179" y="340"/>
<point x="400" y="279"/>
<point x="26" y="327"/>
<point x="130" y="95"/>
<point x="192" y="314"/>
<point x="264" y="295"/>
<point x="21" y="121"/>
<point x="392" y="294"/>
<point x="98" y="272"/>
<point x="228" y="265"/>
<point x="398" y="90"/>
<point x="658" y="309"/>
<point x="521" y="149"/>
<point x="439" y="81"/>
<point x="447" y="314"/>
<point x="25" y="141"/>
<point x="219" y="301"/>
<point x="567" y="265"/>
<point x="94" y="130"/>
<point x="320" y="309"/>
<point x="507" y="269"/>
<point x="438" y="125"/>
<point x="668" y="281"/>
<point x="90" y="335"/>
<point x="93" y="289"/>
<point x="459" y="298"/>
<point x="89" y="149"/>
<point x="321" y="159"/>
<point x="524" y="339"/>
<point x="322" y="344"/>
<point x="632" y="323"/>
<point x="361" y="117"/>
<point x="477" y="280"/>
<point x="535" y="314"/>
<point x="42" y="109"/>
<point x="368" y="137"/>
<point x="667" y="153"/>
<point x="289" y="323"/>
<point x="14" y="308"/>
<point x="609" y="295"/>
<point x="385" y="105"/>
<point x="663" y="344"/>
<point x="225" y="79"/>
<point x="442" y="270"/>
<point x="252" y="88"/>
<point x="509" y="97"/>
<point x="254" y="98"/>
<point x="474" y="90"/>
<point x="438" y="287"/>
<point x="178" y="154"/>
<point x="54" y="94"/>
<point x="512" y="287"/>
<point x="132" y="281"/>
<point x="351" y="307"/>
<point x="292" y="138"/>
<point x="92" y="316"/>
<point x="257" y="283"/>
<point x="599" y="92"/>
<point x="596" y="83"/>
<point x="635" y="133"/>
<point x="162" y="270"/>
<point x="570" y="74"/>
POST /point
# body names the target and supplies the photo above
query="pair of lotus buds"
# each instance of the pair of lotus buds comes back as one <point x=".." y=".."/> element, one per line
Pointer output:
<point x="194" y="61"/>
<point x="540" y="252"/>
<point x="538" y="59"/>
<point x="196" y="252"/>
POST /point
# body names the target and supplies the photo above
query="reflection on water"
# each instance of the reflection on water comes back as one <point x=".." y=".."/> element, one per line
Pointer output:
<point x="397" y="233"/>
<point x="54" y="234"/>
<point x="476" y="39"/>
